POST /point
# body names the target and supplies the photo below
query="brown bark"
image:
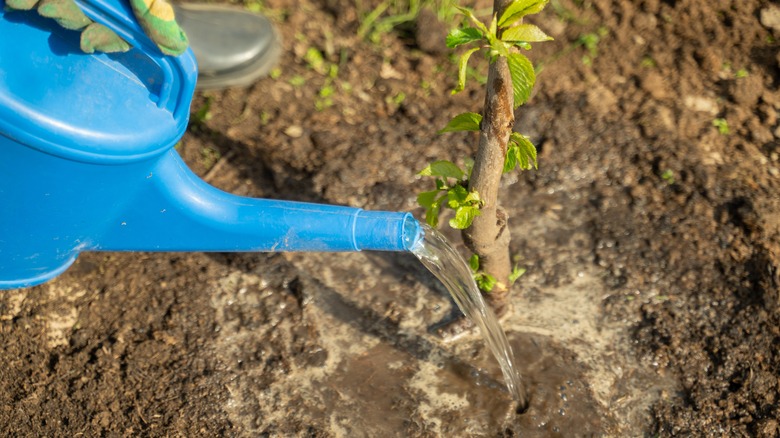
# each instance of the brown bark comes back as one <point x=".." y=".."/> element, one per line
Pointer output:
<point x="488" y="236"/>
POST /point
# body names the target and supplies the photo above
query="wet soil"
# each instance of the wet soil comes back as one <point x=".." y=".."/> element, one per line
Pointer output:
<point x="651" y="241"/>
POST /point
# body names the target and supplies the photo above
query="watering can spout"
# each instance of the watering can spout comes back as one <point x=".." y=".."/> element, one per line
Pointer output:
<point x="54" y="215"/>
<point x="174" y="210"/>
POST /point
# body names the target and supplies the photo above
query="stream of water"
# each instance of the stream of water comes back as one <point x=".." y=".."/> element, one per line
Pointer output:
<point x="435" y="252"/>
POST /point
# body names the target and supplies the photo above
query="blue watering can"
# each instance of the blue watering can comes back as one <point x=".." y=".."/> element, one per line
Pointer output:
<point x="87" y="161"/>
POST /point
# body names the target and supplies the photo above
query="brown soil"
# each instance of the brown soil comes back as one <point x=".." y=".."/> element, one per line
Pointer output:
<point x="651" y="240"/>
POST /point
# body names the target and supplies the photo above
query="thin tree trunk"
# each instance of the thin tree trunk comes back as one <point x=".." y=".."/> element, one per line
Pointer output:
<point x="488" y="236"/>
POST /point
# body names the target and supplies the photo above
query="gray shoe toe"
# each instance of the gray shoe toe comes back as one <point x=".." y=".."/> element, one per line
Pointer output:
<point x="233" y="47"/>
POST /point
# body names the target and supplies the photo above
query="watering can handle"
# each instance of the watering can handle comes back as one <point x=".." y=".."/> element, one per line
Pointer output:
<point x="117" y="16"/>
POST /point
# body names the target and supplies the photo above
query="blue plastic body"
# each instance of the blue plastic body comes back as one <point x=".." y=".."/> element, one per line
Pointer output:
<point x="87" y="162"/>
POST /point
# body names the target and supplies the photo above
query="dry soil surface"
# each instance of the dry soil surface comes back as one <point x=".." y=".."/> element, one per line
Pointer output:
<point x="651" y="240"/>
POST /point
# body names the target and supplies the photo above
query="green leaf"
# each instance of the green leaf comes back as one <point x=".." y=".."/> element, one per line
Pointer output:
<point x="510" y="161"/>
<point x="722" y="125"/>
<point x="521" y="152"/>
<point x="519" y="9"/>
<point x="480" y="25"/>
<point x="474" y="263"/>
<point x="456" y="196"/>
<point x="463" y="62"/>
<point x="527" y="151"/>
<point x="485" y="282"/>
<point x="432" y="216"/>
<point x="464" y="216"/>
<point x="499" y="48"/>
<point x="432" y="213"/>
<point x="525" y="32"/>
<point x="427" y="199"/>
<point x="523" y="77"/>
<point x="459" y="196"/>
<point x="458" y="37"/>
<point x="315" y="60"/>
<point x="443" y="168"/>
<point x="516" y="273"/>
<point x="463" y="122"/>
<point x="473" y="198"/>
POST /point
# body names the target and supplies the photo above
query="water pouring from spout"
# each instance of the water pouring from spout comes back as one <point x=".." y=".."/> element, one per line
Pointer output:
<point x="435" y="252"/>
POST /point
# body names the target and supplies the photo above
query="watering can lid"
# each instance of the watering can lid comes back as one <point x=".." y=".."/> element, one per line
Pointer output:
<point x="96" y="108"/>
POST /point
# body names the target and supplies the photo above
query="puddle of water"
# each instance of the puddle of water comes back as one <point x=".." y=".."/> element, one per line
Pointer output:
<point x="435" y="252"/>
<point x="560" y="400"/>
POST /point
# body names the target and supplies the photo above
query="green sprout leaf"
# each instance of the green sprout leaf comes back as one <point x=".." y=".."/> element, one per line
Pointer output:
<point x="521" y="152"/>
<point x="523" y="77"/>
<point x="464" y="216"/>
<point x="432" y="206"/>
<point x="527" y="154"/>
<point x="516" y="273"/>
<point x="473" y="198"/>
<point x="315" y="60"/>
<point x="427" y="199"/>
<point x="443" y="168"/>
<point x="499" y="48"/>
<point x="519" y="9"/>
<point x="722" y="125"/>
<point x="485" y="282"/>
<point x="480" y="25"/>
<point x="463" y="122"/>
<point x="463" y="62"/>
<point x="458" y="37"/>
<point x="668" y="176"/>
<point x="474" y="263"/>
<point x="459" y="196"/>
<point x="525" y="33"/>
<point x="456" y="196"/>
<point x="432" y="214"/>
<point x="510" y="161"/>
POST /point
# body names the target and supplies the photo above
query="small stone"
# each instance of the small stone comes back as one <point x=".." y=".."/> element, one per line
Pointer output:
<point x="386" y="71"/>
<point x="701" y="104"/>
<point x="655" y="84"/>
<point x="774" y="171"/>
<point x="770" y="18"/>
<point x="293" y="131"/>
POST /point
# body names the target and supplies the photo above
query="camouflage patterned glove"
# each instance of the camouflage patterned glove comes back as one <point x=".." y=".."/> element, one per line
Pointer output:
<point x="155" y="17"/>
